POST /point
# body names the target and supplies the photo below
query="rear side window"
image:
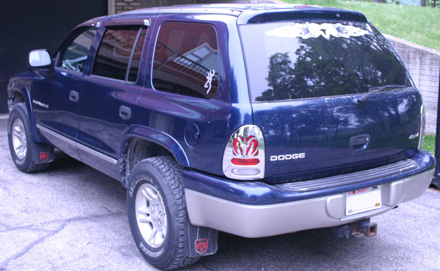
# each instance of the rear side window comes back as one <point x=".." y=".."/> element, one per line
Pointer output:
<point x="305" y="60"/>
<point x="186" y="59"/>
<point x="119" y="53"/>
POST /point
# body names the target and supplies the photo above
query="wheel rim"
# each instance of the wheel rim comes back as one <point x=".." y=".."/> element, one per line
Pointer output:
<point x="19" y="140"/>
<point x="151" y="215"/>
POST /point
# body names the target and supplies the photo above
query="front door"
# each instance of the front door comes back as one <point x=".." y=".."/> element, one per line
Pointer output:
<point x="55" y="101"/>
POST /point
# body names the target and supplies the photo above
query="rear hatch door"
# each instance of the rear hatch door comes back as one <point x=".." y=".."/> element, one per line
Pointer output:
<point x="305" y="80"/>
<point x="315" y="138"/>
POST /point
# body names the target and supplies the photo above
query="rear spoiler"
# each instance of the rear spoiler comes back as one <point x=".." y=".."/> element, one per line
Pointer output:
<point x="300" y="13"/>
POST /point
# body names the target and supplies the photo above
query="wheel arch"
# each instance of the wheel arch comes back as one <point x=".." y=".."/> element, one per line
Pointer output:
<point x="19" y="93"/>
<point x="144" y="142"/>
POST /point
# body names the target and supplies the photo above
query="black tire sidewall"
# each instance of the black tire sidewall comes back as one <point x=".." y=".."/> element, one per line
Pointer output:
<point x="148" y="173"/>
<point x="18" y="112"/>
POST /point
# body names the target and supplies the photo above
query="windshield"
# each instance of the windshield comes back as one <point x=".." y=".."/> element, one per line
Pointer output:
<point x="304" y="60"/>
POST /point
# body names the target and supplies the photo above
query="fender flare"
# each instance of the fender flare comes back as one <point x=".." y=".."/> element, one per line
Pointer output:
<point x="160" y="138"/>
<point x="23" y="90"/>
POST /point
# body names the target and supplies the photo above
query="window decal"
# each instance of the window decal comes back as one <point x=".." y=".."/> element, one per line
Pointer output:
<point x="313" y="30"/>
<point x="208" y="83"/>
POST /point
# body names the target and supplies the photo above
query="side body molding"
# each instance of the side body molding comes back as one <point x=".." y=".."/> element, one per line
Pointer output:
<point x="160" y="138"/>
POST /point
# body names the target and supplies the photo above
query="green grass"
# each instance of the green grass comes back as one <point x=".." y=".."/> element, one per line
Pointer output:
<point x="429" y="143"/>
<point x="420" y="25"/>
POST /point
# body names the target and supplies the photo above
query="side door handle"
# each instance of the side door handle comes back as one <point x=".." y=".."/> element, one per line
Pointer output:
<point x="124" y="112"/>
<point x="74" y="96"/>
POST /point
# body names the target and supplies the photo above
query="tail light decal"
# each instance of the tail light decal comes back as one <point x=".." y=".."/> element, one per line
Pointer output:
<point x="243" y="158"/>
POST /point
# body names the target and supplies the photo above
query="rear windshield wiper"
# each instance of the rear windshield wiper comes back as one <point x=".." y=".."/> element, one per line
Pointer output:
<point x="374" y="90"/>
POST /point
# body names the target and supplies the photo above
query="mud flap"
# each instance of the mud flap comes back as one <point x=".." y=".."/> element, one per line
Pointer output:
<point x="42" y="153"/>
<point x="201" y="241"/>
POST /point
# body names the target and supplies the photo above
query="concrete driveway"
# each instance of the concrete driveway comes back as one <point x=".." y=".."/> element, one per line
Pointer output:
<point x="72" y="217"/>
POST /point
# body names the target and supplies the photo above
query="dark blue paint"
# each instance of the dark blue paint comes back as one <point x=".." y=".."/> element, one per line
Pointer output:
<point x="320" y="127"/>
<point x="302" y="12"/>
<point x="259" y="193"/>
<point x="160" y="138"/>
<point x="21" y="83"/>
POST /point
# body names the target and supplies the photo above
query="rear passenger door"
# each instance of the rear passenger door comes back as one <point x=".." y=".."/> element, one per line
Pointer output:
<point x="109" y="93"/>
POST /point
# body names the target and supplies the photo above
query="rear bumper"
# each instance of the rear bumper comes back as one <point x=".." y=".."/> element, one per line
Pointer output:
<point x="258" y="210"/>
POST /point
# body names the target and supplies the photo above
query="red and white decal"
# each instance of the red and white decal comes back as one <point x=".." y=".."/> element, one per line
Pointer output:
<point x="201" y="246"/>
<point x="44" y="156"/>
<point x="246" y="148"/>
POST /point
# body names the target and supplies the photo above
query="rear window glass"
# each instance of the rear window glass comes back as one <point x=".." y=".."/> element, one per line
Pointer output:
<point x="186" y="59"/>
<point x="117" y="51"/>
<point x="304" y="60"/>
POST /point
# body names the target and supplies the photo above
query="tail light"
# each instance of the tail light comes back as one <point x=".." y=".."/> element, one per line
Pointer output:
<point x="422" y="126"/>
<point x="244" y="156"/>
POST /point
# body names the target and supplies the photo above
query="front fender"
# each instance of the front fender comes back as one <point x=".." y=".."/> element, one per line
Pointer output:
<point x="16" y="86"/>
<point x="159" y="138"/>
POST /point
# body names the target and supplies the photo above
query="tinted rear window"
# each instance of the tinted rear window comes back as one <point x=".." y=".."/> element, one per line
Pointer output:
<point x="305" y="60"/>
<point x="186" y="59"/>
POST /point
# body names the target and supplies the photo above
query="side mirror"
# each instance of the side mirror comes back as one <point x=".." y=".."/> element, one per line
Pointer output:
<point x="39" y="59"/>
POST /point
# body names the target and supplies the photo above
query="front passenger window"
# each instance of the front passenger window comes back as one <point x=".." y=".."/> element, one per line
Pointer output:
<point x="74" y="56"/>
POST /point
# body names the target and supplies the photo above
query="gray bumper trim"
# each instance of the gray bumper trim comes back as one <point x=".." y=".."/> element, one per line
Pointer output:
<point x="255" y="221"/>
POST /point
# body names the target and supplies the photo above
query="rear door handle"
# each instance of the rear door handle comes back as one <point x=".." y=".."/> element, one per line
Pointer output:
<point x="124" y="112"/>
<point x="74" y="96"/>
<point x="359" y="142"/>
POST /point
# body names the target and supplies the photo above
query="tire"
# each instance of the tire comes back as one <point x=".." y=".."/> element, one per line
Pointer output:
<point x="157" y="212"/>
<point x="21" y="144"/>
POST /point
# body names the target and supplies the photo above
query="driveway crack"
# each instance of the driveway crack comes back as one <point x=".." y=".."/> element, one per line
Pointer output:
<point x="4" y="264"/>
<point x="40" y="227"/>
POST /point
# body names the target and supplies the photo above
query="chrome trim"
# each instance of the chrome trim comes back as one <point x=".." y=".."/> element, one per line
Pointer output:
<point x="254" y="221"/>
<point x="56" y="135"/>
<point x="422" y="127"/>
<point x="97" y="154"/>
<point x="253" y="172"/>
<point x="88" y="150"/>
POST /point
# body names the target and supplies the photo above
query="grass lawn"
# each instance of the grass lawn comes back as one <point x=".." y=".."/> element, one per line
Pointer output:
<point x="429" y="143"/>
<point x="420" y="25"/>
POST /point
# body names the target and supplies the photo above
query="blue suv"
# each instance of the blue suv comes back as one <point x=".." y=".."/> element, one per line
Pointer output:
<point x="255" y="120"/>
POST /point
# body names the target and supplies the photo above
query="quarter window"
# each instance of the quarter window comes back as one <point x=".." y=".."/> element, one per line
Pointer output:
<point x="119" y="53"/>
<point x="74" y="56"/>
<point x="186" y="59"/>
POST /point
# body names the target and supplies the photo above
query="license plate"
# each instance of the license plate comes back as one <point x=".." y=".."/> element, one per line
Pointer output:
<point x="362" y="200"/>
